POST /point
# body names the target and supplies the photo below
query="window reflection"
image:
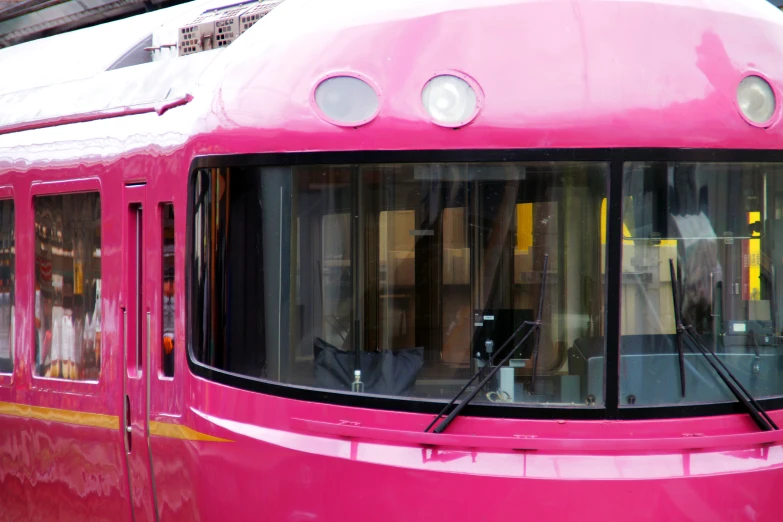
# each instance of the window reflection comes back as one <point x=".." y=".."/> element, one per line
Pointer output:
<point x="7" y="285"/>
<point x="336" y="278"/>
<point x="167" y="234"/>
<point x="305" y="274"/>
<point x="719" y="224"/>
<point x="68" y="286"/>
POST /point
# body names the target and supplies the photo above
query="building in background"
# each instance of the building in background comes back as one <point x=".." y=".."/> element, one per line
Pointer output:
<point x="25" y="20"/>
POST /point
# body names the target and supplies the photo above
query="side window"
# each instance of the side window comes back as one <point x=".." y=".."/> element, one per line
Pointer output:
<point x="68" y="286"/>
<point x="167" y="249"/>
<point x="7" y="286"/>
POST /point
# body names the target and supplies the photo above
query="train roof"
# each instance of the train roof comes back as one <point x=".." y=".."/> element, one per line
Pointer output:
<point x="93" y="69"/>
<point x="571" y="62"/>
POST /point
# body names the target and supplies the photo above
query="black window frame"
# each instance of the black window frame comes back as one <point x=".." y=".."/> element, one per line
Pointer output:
<point x="163" y="363"/>
<point x="7" y="369"/>
<point x="81" y="187"/>
<point x="614" y="157"/>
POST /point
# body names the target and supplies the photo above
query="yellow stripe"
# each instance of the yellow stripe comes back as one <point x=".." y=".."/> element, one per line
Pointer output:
<point x="178" y="431"/>
<point x="99" y="420"/>
<point x="80" y="418"/>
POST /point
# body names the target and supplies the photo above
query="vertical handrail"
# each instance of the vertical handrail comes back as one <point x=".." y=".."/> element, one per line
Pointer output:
<point x="678" y="323"/>
<point x="148" y="376"/>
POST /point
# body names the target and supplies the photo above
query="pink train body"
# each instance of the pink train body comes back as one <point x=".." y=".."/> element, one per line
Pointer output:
<point x="586" y="75"/>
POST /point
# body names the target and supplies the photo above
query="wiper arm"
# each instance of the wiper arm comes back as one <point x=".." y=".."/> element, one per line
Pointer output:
<point x="678" y="323"/>
<point x="534" y="327"/>
<point x="754" y="409"/>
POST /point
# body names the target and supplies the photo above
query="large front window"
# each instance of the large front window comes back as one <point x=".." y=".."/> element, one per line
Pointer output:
<point x="412" y="275"/>
<point x="720" y="226"/>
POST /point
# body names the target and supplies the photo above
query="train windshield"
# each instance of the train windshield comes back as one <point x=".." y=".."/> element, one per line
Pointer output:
<point x="402" y="279"/>
<point x="721" y="226"/>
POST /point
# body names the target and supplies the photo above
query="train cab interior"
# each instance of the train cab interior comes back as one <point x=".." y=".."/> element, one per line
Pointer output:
<point x="424" y="267"/>
<point x="417" y="274"/>
<point x="719" y="225"/>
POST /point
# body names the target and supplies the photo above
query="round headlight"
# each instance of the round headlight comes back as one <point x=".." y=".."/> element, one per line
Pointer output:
<point x="449" y="100"/>
<point x="756" y="99"/>
<point x="346" y="100"/>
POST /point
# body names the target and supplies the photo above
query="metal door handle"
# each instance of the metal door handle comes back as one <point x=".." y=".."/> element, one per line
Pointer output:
<point x="128" y="428"/>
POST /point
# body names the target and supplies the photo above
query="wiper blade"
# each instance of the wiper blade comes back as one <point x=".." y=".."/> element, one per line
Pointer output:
<point x="676" y="297"/>
<point x="534" y="327"/>
<point x="754" y="409"/>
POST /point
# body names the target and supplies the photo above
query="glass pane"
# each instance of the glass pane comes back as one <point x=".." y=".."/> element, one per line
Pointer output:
<point x="167" y="234"/>
<point x="720" y="227"/>
<point x="68" y="286"/>
<point x="412" y="275"/>
<point x="7" y="286"/>
<point x="336" y="276"/>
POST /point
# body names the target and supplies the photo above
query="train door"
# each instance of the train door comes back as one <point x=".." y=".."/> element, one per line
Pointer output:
<point x="136" y="319"/>
<point x="165" y="402"/>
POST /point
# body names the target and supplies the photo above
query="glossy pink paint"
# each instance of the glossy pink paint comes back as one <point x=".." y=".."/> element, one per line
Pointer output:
<point x="585" y="73"/>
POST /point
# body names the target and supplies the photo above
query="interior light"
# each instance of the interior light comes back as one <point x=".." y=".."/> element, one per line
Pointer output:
<point x="449" y="100"/>
<point x="756" y="99"/>
<point x="346" y="100"/>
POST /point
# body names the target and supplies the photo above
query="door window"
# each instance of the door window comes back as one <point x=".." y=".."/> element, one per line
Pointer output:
<point x="68" y="286"/>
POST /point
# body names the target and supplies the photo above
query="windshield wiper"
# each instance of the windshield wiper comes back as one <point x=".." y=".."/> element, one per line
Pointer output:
<point x="678" y="322"/>
<point x="753" y="408"/>
<point x="534" y="326"/>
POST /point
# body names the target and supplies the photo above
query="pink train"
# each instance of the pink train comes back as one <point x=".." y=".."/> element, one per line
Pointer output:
<point x="388" y="261"/>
